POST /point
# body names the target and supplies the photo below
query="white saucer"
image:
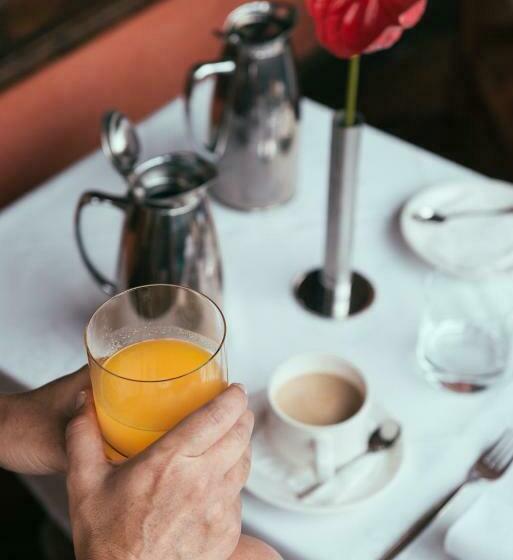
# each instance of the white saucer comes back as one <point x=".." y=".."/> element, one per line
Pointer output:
<point x="467" y="247"/>
<point x="276" y="482"/>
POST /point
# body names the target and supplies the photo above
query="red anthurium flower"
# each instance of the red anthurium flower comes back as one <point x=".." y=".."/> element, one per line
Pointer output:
<point x="353" y="27"/>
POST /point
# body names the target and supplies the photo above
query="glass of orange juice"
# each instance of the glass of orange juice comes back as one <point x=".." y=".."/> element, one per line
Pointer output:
<point x="156" y="354"/>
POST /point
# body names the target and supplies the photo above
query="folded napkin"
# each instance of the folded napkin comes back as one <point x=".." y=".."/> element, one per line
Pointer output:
<point x="347" y="484"/>
<point x="484" y="531"/>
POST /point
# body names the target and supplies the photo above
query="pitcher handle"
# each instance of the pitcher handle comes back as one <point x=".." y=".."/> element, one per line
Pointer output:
<point x="197" y="74"/>
<point x="93" y="197"/>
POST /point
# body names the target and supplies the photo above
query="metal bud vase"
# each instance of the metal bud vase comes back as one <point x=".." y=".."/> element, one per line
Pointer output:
<point x="336" y="290"/>
<point x="254" y="122"/>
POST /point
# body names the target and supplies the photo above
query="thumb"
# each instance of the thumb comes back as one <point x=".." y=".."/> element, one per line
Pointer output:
<point x="87" y="463"/>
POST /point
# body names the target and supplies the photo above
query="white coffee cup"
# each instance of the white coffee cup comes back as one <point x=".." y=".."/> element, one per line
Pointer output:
<point x="321" y="447"/>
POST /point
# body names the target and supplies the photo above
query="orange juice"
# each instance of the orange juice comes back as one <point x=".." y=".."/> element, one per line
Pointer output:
<point x="146" y="388"/>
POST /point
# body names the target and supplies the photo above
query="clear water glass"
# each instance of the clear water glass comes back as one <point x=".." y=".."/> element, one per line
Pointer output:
<point x="465" y="336"/>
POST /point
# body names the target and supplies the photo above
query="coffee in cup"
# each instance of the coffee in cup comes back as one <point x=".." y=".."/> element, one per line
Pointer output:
<point x="319" y="398"/>
<point x="319" y="411"/>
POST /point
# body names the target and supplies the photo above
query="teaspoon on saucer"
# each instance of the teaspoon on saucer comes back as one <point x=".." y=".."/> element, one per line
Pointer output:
<point x="430" y="215"/>
<point x="383" y="437"/>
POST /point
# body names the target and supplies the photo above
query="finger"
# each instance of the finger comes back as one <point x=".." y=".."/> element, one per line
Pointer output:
<point x="202" y="429"/>
<point x="229" y="449"/>
<point x="226" y="530"/>
<point x="87" y="463"/>
<point x="71" y="385"/>
<point x="62" y="393"/>
<point x="250" y="548"/>
<point x="236" y="512"/>
<point x="237" y="476"/>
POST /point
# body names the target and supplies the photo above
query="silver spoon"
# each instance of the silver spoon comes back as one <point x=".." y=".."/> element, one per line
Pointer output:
<point x="383" y="437"/>
<point x="120" y="144"/>
<point x="427" y="214"/>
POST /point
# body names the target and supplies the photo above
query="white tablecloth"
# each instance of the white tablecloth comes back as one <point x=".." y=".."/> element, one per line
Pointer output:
<point x="46" y="298"/>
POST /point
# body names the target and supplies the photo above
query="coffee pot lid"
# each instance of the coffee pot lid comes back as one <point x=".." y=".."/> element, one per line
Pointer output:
<point x="173" y="180"/>
<point x="120" y="143"/>
<point x="257" y="23"/>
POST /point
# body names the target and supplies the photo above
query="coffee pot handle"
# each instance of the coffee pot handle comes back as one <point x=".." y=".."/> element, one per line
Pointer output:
<point x="197" y="74"/>
<point x="93" y="197"/>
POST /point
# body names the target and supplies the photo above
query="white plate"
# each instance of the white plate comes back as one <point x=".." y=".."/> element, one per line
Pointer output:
<point x="274" y="482"/>
<point x="468" y="247"/>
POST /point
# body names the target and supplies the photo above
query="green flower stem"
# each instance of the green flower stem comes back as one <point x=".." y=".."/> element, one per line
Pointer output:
<point x="352" y="90"/>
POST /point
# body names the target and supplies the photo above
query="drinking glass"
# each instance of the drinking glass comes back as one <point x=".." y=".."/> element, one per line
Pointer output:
<point x="464" y="337"/>
<point x="135" y="410"/>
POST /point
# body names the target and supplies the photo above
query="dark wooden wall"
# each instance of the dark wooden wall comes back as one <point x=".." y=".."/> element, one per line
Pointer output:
<point x="34" y="32"/>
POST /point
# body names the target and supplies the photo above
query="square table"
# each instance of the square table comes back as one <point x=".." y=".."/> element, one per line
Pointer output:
<point x="46" y="298"/>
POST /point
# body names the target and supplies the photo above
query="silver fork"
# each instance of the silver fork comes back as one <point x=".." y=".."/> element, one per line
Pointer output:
<point x="492" y="464"/>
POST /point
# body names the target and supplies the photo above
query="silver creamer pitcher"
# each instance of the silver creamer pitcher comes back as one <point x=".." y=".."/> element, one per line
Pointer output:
<point x="255" y="112"/>
<point x="168" y="234"/>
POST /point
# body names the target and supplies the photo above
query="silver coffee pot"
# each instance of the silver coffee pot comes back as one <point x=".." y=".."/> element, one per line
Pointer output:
<point x="168" y="233"/>
<point x="254" y="121"/>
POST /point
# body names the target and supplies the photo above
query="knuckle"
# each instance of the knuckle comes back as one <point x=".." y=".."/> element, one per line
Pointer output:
<point x="146" y="471"/>
<point x="237" y="509"/>
<point x="72" y="483"/>
<point x="166" y="473"/>
<point x="201" y="487"/>
<point x="215" y="513"/>
<point x="242" y="471"/>
<point x="244" y="426"/>
<point x="234" y="518"/>
<point x="79" y="480"/>
<point x="76" y="425"/>
<point x="249" y="419"/>
<point x="239" y="395"/>
<point x="233" y="530"/>
<point x="246" y="464"/>
<point x="158" y="456"/>
<point x="239" y="433"/>
<point x="152" y="481"/>
<point x="216" y="415"/>
<point x="196" y="487"/>
<point x="248" y="452"/>
<point x="80" y="509"/>
<point x="233" y="399"/>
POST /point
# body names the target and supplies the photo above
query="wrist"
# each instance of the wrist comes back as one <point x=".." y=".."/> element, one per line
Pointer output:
<point x="7" y="438"/>
<point x="99" y="551"/>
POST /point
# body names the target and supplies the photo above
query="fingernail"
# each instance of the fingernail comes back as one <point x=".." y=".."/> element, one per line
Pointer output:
<point x="81" y="399"/>
<point x="241" y="387"/>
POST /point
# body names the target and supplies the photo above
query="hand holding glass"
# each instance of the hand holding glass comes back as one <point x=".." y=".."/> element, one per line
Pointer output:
<point x="156" y="354"/>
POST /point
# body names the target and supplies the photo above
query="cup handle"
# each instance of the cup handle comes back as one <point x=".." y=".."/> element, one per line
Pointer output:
<point x="93" y="197"/>
<point x="324" y="458"/>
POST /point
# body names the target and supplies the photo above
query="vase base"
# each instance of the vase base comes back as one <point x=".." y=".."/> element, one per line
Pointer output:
<point x="317" y="298"/>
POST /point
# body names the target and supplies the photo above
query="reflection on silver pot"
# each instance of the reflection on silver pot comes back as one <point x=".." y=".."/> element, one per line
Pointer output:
<point x="168" y="235"/>
<point x="255" y="113"/>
